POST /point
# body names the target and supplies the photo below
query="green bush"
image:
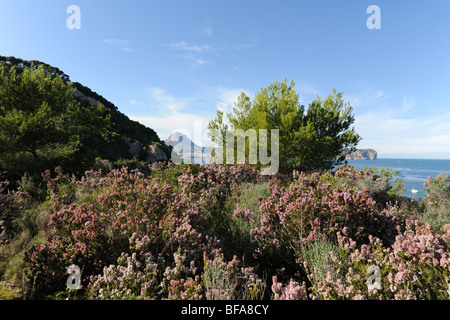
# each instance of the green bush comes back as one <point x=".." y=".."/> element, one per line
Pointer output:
<point x="317" y="256"/>
<point x="437" y="201"/>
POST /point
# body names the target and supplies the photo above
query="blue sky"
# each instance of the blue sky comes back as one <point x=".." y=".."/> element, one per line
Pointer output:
<point x="172" y="64"/>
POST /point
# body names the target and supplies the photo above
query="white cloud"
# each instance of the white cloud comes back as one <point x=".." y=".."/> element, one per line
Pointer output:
<point x="197" y="53"/>
<point x="135" y="102"/>
<point x="207" y="31"/>
<point x="251" y="43"/>
<point x="393" y="132"/>
<point x="227" y="98"/>
<point x="121" y="44"/>
<point x="379" y="95"/>
<point x="201" y="61"/>
<point x="167" y="103"/>
<point x="194" y="126"/>
<point x="408" y="104"/>
<point x="174" y="115"/>
<point x="116" y="42"/>
<point x="366" y="96"/>
<point x="197" y="60"/>
<point x="194" y="52"/>
<point x="306" y="92"/>
<point x="184" y="46"/>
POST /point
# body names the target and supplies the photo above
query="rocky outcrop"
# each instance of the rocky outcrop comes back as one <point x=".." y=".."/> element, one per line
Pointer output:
<point x="155" y="154"/>
<point x="362" y="154"/>
<point x="151" y="153"/>
<point x="78" y="94"/>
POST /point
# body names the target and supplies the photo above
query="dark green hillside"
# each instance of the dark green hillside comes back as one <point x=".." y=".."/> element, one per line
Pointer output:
<point x="46" y="120"/>
<point x="125" y="126"/>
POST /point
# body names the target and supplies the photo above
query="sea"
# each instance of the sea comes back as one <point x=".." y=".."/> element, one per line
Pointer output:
<point x="413" y="172"/>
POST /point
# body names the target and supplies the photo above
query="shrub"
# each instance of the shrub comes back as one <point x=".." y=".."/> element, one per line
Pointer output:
<point x="239" y="216"/>
<point x="292" y="291"/>
<point x="141" y="276"/>
<point x="317" y="256"/>
<point x="437" y="201"/>
<point x="382" y="185"/>
<point x="93" y="236"/>
<point x="33" y="186"/>
<point x="230" y="281"/>
<point x="9" y="212"/>
<point x="207" y="189"/>
<point x="219" y="232"/>
<point x="415" y="267"/>
<point x="309" y="210"/>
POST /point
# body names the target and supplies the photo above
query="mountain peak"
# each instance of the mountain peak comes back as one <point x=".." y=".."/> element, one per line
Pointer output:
<point x="178" y="137"/>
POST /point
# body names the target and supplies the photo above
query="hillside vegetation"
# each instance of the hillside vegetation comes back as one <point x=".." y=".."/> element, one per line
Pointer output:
<point x="46" y="120"/>
<point x="223" y="232"/>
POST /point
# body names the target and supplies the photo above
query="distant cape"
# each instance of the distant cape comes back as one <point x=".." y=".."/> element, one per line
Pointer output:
<point x="362" y="154"/>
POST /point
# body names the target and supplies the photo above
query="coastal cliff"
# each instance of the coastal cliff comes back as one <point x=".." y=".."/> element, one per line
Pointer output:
<point x="362" y="154"/>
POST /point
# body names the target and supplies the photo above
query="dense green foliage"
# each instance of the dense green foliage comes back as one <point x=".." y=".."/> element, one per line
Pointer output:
<point x="314" y="139"/>
<point x="437" y="201"/>
<point x="43" y="123"/>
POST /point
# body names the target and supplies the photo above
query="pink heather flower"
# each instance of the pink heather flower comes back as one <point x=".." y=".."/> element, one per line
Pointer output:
<point x="390" y="277"/>
<point x="393" y="288"/>
<point x="399" y="276"/>
<point x="347" y="196"/>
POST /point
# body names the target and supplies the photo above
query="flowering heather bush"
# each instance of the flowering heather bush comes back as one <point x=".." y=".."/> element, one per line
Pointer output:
<point x="308" y="210"/>
<point x="77" y="236"/>
<point x="208" y="190"/>
<point x="292" y="291"/>
<point x="94" y="236"/>
<point x="126" y="280"/>
<point x="415" y="267"/>
<point x="207" y="187"/>
<point x="142" y="276"/>
<point x="61" y="188"/>
<point x="183" y="231"/>
<point x="127" y="208"/>
<point x="382" y="185"/>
